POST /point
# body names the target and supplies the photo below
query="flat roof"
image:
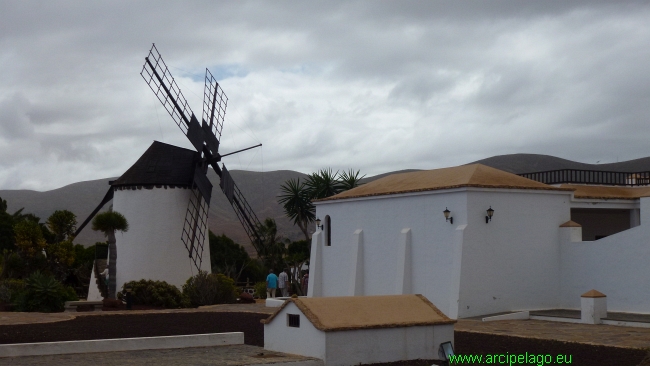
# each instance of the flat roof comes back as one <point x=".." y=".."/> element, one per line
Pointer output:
<point x="367" y="312"/>
<point x="473" y="175"/>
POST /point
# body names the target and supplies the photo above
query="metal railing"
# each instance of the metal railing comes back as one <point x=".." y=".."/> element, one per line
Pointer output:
<point x="579" y="176"/>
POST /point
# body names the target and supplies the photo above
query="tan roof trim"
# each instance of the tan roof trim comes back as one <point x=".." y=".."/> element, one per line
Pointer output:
<point x="593" y="294"/>
<point x="570" y="224"/>
<point x="320" y="318"/>
<point x="549" y="188"/>
<point x="473" y="175"/>
<point x="607" y="192"/>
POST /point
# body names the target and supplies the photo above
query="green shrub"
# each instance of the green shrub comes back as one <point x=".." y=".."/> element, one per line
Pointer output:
<point x="154" y="293"/>
<point x="260" y="290"/>
<point x="43" y="293"/>
<point x="10" y="289"/>
<point x="5" y="294"/>
<point x="209" y="289"/>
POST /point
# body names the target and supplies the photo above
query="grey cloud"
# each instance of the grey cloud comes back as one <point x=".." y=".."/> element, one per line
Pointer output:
<point x="377" y="85"/>
<point x="15" y="122"/>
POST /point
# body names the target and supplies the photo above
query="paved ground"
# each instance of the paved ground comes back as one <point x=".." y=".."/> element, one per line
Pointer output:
<point x="575" y="314"/>
<point x="13" y="318"/>
<point x="224" y="355"/>
<point x="605" y="335"/>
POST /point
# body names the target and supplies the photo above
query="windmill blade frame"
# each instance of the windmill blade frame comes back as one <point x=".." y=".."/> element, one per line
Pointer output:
<point x="194" y="227"/>
<point x="157" y="75"/>
<point x="215" y="102"/>
<point x="205" y="138"/>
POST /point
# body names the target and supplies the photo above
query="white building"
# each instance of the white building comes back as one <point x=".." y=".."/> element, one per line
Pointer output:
<point x="153" y="195"/>
<point x="390" y="236"/>
<point x="352" y="330"/>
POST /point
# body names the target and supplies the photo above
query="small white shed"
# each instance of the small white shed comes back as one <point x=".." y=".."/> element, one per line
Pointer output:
<point x="359" y="329"/>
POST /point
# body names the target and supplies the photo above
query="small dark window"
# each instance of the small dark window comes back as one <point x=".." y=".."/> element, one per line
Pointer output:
<point x="293" y="320"/>
<point x="328" y="226"/>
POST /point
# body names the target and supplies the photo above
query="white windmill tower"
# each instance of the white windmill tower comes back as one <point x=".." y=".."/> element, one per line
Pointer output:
<point x="165" y="195"/>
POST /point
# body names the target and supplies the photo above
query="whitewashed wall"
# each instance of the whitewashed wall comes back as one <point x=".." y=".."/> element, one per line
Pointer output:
<point x="305" y="340"/>
<point x="617" y="266"/>
<point x="382" y="220"/>
<point x="386" y="344"/>
<point x="466" y="269"/>
<point x="152" y="248"/>
<point x="513" y="262"/>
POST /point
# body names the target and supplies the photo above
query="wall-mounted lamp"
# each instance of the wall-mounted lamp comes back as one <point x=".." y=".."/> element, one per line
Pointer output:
<point x="490" y="212"/>
<point x="447" y="218"/>
<point x="318" y="225"/>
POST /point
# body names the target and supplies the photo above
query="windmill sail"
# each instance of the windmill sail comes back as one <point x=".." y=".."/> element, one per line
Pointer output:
<point x="215" y="102"/>
<point x="195" y="227"/>
<point x="204" y="137"/>
<point x="162" y="83"/>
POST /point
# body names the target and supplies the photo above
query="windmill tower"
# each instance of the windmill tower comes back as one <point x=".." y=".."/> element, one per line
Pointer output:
<point x="165" y="195"/>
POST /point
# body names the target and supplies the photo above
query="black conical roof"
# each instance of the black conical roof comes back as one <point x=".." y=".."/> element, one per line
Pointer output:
<point x="161" y="164"/>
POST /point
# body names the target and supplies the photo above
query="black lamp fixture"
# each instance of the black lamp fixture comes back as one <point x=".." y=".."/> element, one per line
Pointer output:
<point x="490" y="212"/>
<point x="447" y="218"/>
<point x="318" y="225"/>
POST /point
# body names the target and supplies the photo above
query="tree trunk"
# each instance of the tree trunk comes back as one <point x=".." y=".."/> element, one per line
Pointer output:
<point x="112" y="259"/>
<point x="303" y="228"/>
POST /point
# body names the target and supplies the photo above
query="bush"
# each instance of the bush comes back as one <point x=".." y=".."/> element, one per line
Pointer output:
<point x="43" y="293"/>
<point x="209" y="289"/>
<point x="10" y="289"/>
<point x="5" y="294"/>
<point x="154" y="293"/>
<point x="260" y="290"/>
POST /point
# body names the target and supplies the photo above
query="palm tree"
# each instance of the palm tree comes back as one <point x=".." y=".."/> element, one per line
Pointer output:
<point x="296" y="200"/>
<point x="323" y="184"/>
<point x="350" y="179"/>
<point x="109" y="222"/>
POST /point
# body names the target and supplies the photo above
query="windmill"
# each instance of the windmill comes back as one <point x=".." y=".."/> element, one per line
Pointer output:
<point x="165" y="167"/>
<point x="205" y="139"/>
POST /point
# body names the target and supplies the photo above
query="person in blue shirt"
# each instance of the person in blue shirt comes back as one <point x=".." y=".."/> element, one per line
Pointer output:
<point x="271" y="284"/>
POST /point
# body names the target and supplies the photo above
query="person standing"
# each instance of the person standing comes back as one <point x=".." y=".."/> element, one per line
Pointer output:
<point x="271" y="284"/>
<point x="105" y="275"/>
<point x="305" y="283"/>
<point x="283" y="283"/>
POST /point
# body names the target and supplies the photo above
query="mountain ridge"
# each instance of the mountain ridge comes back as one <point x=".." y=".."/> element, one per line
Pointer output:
<point x="261" y="189"/>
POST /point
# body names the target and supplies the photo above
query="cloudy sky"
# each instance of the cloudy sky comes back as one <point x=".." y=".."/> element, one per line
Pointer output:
<point x="376" y="86"/>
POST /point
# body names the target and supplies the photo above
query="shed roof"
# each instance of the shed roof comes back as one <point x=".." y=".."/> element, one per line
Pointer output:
<point x="473" y="175"/>
<point x="607" y="192"/>
<point x="161" y="164"/>
<point x="367" y="312"/>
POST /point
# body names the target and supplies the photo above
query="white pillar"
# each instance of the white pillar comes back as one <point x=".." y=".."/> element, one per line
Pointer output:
<point x="635" y="217"/>
<point x="570" y="232"/>
<point x="403" y="277"/>
<point x="356" y="283"/>
<point x="593" y="306"/>
<point x="456" y="257"/>
<point x="644" y="203"/>
<point x="316" y="266"/>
